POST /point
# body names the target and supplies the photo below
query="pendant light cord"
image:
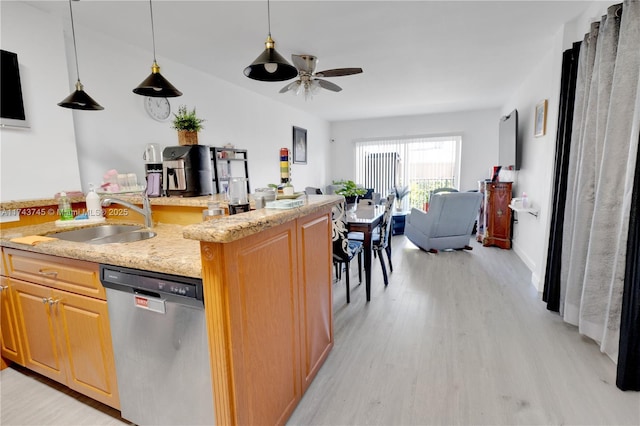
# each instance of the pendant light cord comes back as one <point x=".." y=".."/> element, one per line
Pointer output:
<point x="269" y="17"/>
<point x="153" y="33"/>
<point x="75" y="48"/>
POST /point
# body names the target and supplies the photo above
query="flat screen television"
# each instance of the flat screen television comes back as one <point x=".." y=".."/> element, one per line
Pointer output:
<point x="11" y="102"/>
<point x="509" y="150"/>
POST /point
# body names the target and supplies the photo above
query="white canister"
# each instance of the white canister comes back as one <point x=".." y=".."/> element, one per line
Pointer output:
<point x="94" y="205"/>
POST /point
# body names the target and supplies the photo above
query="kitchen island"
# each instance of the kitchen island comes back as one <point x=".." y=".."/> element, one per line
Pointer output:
<point x="267" y="291"/>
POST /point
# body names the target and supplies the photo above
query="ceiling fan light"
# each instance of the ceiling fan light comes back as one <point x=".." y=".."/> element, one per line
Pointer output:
<point x="156" y="85"/>
<point x="79" y="99"/>
<point x="270" y="65"/>
<point x="315" y="87"/>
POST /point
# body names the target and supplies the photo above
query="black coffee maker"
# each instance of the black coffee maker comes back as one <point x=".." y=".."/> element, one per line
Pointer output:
<point x="186" y="171"/>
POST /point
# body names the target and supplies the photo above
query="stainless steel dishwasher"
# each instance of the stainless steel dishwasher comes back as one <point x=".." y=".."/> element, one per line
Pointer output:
<point x="160" y="342"/>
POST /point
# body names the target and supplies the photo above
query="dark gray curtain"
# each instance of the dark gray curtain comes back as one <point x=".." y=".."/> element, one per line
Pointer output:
<point x="551" y="293"/>
<point x="629" y="351"/>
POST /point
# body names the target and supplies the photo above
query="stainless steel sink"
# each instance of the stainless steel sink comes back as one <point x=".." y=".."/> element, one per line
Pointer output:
<point x="105" y="234"/>
<point x="125" y="237"/>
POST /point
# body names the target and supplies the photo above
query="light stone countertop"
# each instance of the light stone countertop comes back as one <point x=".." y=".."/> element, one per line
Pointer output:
<point x="235" y="227"/>
<point x="175" y="249"/>
<point x="168" y="252"/>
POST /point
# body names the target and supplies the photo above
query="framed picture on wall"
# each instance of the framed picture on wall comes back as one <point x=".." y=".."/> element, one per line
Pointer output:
<point x="299" y="145"/>
<point x="540" y="119"/>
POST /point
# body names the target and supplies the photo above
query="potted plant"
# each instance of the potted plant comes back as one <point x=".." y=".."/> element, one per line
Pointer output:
<point x="349" y="190"/>
<point x="188" y="125"/>
<point x="400" y="192"/>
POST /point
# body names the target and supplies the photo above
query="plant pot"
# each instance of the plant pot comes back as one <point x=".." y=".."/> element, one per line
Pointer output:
<point x="351" y="199"/>
<point x="186" y="137"/>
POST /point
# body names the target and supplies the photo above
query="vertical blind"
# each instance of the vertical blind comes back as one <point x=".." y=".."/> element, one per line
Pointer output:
<point x="422" y="163"/>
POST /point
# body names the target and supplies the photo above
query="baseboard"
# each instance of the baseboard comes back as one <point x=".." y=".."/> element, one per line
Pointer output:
<point x="530" y="264"/>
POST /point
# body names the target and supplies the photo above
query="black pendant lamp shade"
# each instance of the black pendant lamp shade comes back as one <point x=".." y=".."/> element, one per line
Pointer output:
<point x="270" y="65"/>
<point x="79" y="99"/>
<point x="156" y="86"/>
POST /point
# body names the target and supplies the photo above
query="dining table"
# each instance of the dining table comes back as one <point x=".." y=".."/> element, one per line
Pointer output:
<point x="365" y="219"/>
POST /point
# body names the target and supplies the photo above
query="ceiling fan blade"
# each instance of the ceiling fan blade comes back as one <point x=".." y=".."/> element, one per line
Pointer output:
<point x="328" y="85"/>
<point x="305" y="63"/>
<point x="290" y="86"/>
<point x="337" y="72"/>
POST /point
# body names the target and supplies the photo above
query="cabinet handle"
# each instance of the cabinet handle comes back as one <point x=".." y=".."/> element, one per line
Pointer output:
<point x="3" y="287"/>
<point x="48" y="273"/>
<point x="53" y="301"/>
<point x="45" y="300"/>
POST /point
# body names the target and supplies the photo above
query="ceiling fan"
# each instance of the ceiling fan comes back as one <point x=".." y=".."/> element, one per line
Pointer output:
<point x="308" y="83"/>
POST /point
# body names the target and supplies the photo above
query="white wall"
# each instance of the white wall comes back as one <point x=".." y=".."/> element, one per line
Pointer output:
<point x="479" y="130"/>
<point x="531" y="234"/>
<point x="115" y="138"/>
<point x="39" y="161"/>
<point x="535" y="177"/>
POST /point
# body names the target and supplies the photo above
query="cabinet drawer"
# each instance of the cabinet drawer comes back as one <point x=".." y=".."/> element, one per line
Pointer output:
<point x="72" y="275"/>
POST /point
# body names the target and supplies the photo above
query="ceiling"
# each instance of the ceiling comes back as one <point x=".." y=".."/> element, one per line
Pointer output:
<point x="418" y="57"/>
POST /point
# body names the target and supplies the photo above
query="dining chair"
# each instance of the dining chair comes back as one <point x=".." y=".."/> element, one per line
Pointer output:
<point x="382" y="241"/>
<point x="344" y="250"/>
<point x="381" y="237"/>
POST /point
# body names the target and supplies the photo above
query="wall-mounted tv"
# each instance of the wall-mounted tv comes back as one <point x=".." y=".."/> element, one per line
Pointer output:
<point x="11" y="102"/>
<point x="509" y="150"/>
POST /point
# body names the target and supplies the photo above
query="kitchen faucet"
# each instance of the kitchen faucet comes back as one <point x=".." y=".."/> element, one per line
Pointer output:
<point x="144" y="211"/>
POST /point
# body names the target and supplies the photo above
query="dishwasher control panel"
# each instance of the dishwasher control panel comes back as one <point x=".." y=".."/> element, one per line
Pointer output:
<point x="148" y="283"/>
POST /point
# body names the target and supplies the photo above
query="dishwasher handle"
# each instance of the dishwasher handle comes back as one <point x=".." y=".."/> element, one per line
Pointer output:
<point x="146" y="293"/>
<point x="149" y="303"/>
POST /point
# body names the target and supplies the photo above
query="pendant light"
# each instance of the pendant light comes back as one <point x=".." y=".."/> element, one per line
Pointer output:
<point x="270" y="65"/>
<point x="156" y="85"/>
<point x="79" y="99"/>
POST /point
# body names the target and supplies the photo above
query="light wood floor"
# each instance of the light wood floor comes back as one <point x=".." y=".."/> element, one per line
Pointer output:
<point x="456" y="338"/>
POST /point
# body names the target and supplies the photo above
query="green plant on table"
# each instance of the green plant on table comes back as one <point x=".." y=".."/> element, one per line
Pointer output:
<point x="187" y="120"/>
<point x="349" y="188"/>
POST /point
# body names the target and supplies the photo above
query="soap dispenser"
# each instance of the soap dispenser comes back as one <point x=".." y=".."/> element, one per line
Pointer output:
<point x="94" y="206"/>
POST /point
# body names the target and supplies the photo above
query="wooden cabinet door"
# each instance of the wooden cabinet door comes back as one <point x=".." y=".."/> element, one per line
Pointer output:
<point x="84" y="335"/>
<point x="316" y="301"/>
<point x="9" y="337"/>
<point x="501" y="217"/>
<point x="498" y="215"/>
<point x="38" y="330"/>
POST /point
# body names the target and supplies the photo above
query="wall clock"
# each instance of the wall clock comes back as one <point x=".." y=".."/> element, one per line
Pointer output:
<point x="157" y="108"/>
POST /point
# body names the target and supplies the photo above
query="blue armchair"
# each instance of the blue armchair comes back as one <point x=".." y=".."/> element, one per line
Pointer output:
<point x="447" y="224"/>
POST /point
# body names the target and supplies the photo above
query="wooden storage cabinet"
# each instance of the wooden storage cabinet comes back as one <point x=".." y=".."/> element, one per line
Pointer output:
<point x="65" y="335"/>
<point x="268" y="301"/>
<point x="10" y="345"/>
<point x="494" y="227"/>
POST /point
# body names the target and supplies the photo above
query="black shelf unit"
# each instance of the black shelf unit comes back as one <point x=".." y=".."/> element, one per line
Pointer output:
<point x="228" y="163"/>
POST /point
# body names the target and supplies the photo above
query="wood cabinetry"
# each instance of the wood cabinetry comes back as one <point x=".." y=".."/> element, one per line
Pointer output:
<point x="269" y="316"/>
<point x="63" y="322"/>
<point x="10" y="345"/>
<point x="494" y="224"/>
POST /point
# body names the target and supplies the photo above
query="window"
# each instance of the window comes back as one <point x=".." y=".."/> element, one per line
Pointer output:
<point x="422" y="163"/>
